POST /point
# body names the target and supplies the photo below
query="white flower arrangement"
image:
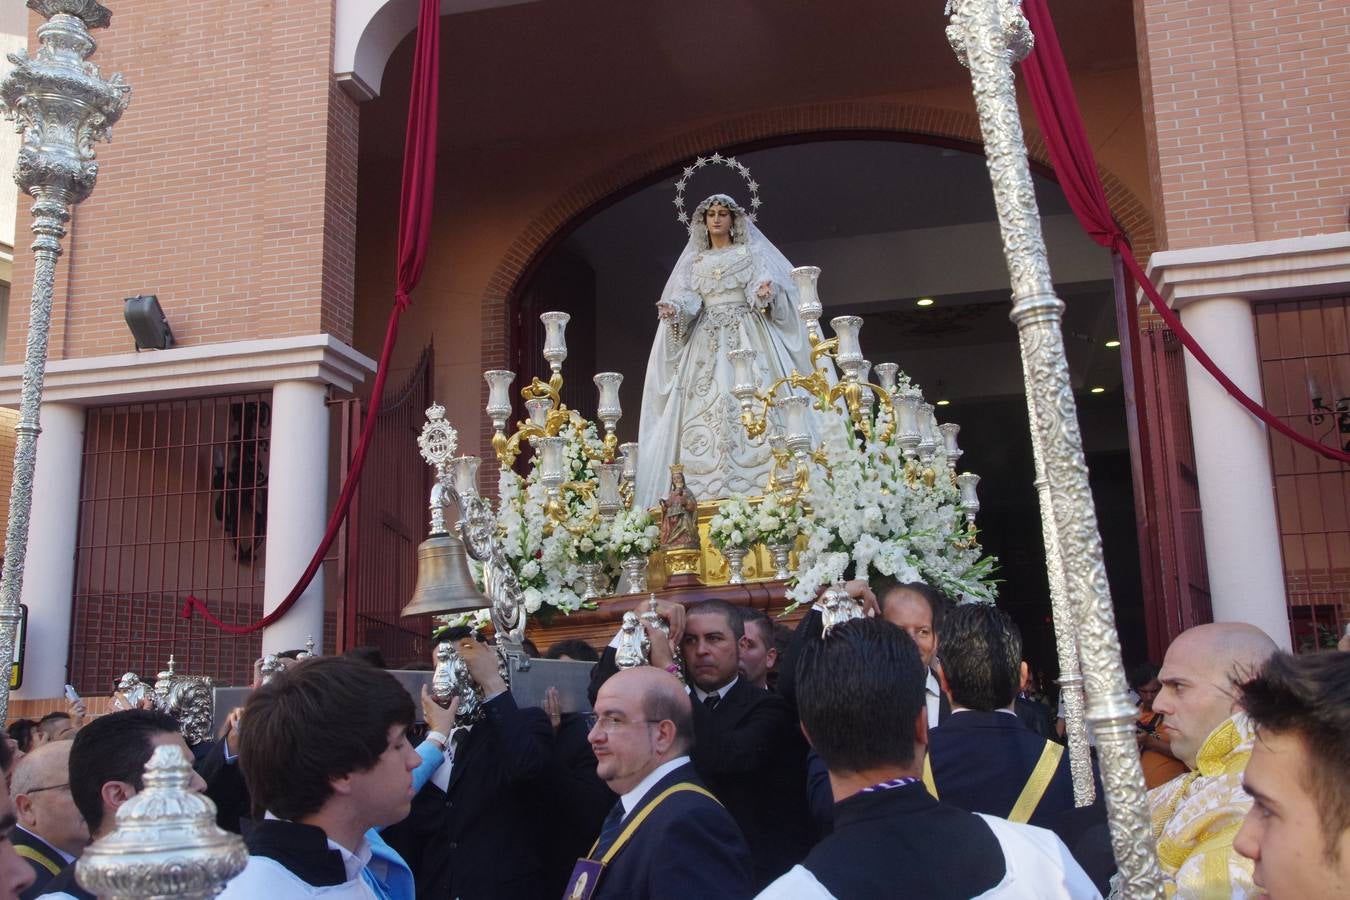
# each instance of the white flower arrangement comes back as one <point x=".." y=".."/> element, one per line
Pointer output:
<point x="547" y="555"/>
<point x="778" y="524"/>
<point x="735" y="524"/>
<point x="872" y="511"/>
<point x="633" y="533"/>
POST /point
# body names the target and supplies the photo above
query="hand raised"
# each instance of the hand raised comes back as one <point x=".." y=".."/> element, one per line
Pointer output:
<point x="482" y="662"/>
<point x="439" y="718"/>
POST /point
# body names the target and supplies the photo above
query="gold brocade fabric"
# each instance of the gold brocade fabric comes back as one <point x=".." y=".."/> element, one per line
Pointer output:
<point x="1196" y="817"/>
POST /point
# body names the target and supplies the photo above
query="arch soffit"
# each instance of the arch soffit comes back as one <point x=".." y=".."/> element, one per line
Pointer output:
<point x="835" y="120"/>
<point x="366" y="32"/>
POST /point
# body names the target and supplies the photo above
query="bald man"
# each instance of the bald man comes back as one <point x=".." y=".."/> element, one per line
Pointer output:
<point x="667" y="836"/>
<point x="51" y="832"/>
<point x="1197" y="815"/>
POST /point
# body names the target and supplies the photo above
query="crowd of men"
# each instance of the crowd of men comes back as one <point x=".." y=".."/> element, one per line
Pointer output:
<point x="888" y="757"/>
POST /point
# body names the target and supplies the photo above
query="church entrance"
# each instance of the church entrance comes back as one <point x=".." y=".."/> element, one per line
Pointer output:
<point x="905" y="235"/>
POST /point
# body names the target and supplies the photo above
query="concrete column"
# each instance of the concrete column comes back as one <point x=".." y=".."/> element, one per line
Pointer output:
<point x="1232" y="461"/>
<point x="49" y="570"/>
<point x="297" y="510"/>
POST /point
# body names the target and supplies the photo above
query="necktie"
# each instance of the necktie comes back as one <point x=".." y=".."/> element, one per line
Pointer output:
<point x="609" y="831"/>
<point x="712" y="700"/>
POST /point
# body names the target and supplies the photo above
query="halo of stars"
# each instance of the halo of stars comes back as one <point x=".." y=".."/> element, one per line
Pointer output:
<point x="717" y="159"/>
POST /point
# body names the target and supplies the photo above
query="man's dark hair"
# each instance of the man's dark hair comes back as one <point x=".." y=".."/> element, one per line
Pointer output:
<point x="1141" y="674"/>
<point x="759" y="618"/>
<point x="319" y="720"/>
<point x="573" y="648"/>
<point x="938" y="603"/>
<point x="22" y="732"/>
<point x="531" y="649"/>
<point x="114" y="747"/>
<point x="982" y="656"/>
<point x="1309" y="696"/>
<point x="859" y="692"/>
<point x="49" y="723"/>
<point x="6" y="756"/>
<point x="659" y="705"/>
<point x="723" y="608"/>
<point x="370" y="655"/>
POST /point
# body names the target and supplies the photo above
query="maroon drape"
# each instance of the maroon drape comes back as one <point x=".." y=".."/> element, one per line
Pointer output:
<point x="1052" y="96"/>
<point x="414" y="233"/>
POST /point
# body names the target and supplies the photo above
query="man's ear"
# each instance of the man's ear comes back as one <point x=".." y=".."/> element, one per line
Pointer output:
<point x="115" y="793"/>
<point x="23" y="808"/>
<point x="942" y="682"/>
<point x="921" y="732"/>
<point x="665" y="736"/>
<point x="1022" y="675"/>
<point x="771" y="658"/>
<point x="342" y="786"/>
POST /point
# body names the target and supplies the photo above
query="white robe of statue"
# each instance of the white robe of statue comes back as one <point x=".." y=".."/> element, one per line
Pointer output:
<point x="689" y="414"/>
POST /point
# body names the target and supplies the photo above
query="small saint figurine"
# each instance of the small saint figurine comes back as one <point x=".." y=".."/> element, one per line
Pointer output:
<point x="679" y="514"/>
<point x="442" y="679"/>
<point x="633" y="643"/>
<point x="837" y="607"/>
<point x="130" y="691"/>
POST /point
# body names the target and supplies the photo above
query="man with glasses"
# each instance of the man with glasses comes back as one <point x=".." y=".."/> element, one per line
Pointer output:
<point x="667" y="837"/>
<point x="51" y="832"/>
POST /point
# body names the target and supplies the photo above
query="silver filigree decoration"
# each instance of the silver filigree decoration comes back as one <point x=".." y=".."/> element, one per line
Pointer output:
<point x="62" y="107"/>
<point x="166" y="843"/>
<point x="717" y="159"/>
<point x="1017" y="36"/>
<point x="980" y="29"/>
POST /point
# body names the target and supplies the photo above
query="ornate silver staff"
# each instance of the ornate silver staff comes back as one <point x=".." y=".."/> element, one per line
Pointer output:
<point x="62" y="107"/>
<point x="988" y="37"/>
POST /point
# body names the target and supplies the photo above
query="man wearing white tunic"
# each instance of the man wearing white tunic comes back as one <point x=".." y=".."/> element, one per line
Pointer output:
<point x="731" y="288"/>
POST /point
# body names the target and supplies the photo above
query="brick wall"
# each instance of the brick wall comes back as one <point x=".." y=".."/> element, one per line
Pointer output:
<point x="215" y="192"/>
<point x="1247" y="104"/>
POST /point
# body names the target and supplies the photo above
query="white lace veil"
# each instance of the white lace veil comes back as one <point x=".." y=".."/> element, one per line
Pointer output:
<point x="774" y="265"/>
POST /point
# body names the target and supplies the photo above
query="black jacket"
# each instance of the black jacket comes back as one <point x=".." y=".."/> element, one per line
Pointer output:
<point x="982" y="760"/>
<point x="902" y="842"/>
<point x="573" y="799"/>
<point x="477" y="839"/>
<point x="688" y="848"/>
<point x="42" y="858"/>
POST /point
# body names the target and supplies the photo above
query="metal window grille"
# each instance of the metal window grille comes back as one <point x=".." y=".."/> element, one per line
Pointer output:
<point x="386" y="524"/>
<point x="173" y="501"/>
<point x="1304" y="347"/>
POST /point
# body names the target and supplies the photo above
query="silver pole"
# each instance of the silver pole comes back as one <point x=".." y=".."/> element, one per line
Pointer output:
<point x="988" y="36"/>
<point x="62" y="107"/>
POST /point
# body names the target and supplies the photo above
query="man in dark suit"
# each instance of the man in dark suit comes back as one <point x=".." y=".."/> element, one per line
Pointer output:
<point x="15" y="876"/>
<point x="747" y="745"/>
<point x="984" y="759"/>
<point x="51" y="832"/>
<point x="861" y="705"/>
<point x="470" y="833"/>
<point x="667" y="838"/>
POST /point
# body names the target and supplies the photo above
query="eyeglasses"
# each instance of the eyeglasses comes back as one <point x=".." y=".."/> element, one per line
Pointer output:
<point x="50" y="787"/>
<point x="608" y="724"/>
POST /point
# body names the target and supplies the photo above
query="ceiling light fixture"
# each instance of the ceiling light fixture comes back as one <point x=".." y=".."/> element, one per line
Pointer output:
<point x="1099" y="390"/>
<point x="925" y="301"/>
<point x="944" y="403"/>
<point x="1113" y="344"/>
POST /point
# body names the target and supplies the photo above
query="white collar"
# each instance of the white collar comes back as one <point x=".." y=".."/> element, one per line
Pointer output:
<point x="631" y="799"/>
<point x="931" y="684"/>
<point x="721" y="692"/>
<point x="1003" y="709"/>
<point x="354" y="863"/>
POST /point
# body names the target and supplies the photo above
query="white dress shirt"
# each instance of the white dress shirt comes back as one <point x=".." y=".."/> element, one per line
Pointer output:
<point x="700" y="695"/>
<point x="934" y="697"/>
<point x="634" y="797"/>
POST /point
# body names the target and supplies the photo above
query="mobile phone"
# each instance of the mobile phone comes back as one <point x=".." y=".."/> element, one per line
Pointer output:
<point x="70" y="693"/>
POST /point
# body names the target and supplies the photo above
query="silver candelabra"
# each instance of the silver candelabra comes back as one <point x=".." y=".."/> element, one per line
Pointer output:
<point x="63" y="108"/>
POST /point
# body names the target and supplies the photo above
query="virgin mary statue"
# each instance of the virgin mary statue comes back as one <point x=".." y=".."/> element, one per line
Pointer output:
<point x="731" y="288"/>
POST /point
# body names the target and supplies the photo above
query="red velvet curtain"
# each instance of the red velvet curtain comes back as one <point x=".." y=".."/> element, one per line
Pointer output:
<point x="1051" y="93"/>
<point x="414" y="233"/>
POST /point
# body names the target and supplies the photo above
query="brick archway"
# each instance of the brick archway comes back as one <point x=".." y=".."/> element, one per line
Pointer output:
<point x="844" y="120"/>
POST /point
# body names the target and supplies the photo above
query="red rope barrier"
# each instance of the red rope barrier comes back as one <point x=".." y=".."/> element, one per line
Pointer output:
<point x="1052" y="97"/>
<point x="416" y="199"/>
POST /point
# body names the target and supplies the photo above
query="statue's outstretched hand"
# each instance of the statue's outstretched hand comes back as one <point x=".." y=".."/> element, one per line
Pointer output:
<point x="764" y="293"/>
<point x="665" y="309"/>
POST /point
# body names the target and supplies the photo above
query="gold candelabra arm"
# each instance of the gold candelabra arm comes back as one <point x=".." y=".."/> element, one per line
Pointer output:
<point x="539" y="390"/>
<point x="822" y="349"/>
